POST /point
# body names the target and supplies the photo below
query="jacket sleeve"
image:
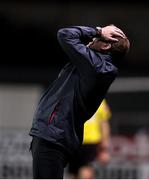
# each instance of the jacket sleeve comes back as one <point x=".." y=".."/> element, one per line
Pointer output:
<point x="72" y="42"/>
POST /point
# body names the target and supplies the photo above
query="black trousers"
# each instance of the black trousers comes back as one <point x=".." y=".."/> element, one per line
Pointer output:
<point x="49" y="160"/>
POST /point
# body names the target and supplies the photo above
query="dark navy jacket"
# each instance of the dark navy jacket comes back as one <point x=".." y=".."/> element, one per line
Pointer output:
<point x="76" y="94"/>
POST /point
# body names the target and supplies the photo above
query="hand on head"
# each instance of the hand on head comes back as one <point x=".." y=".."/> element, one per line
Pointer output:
<point x="110" y="32"/>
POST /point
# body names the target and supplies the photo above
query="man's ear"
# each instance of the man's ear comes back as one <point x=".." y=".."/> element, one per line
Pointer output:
<point x="106" y="46"/>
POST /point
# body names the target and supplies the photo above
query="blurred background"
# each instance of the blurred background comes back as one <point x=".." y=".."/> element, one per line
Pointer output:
<point x="30" y="59"/>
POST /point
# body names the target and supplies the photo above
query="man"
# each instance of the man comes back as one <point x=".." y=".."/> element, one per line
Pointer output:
<point x="96" y="144"/>
<point x="75" y="95"/>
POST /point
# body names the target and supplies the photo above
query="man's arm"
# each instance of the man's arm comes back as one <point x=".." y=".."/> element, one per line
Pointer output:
<point x="105" y="128"/>
<point x="71" y="40"/>
<point x="104" y="151"/>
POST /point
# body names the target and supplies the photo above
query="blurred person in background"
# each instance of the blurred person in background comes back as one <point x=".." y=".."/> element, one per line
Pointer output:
<point x="76" y="94"/>
<point x="96" y="143"/>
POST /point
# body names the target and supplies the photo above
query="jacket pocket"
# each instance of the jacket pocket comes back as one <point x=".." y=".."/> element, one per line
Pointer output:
<point x="53" y="114"/>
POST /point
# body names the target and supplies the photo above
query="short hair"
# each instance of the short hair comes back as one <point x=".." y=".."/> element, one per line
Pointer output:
<point x="119" y="49"/>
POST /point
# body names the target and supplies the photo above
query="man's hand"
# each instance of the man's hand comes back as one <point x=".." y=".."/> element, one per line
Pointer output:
<point x="103" y="157"/>
<point x="110" y="32"/>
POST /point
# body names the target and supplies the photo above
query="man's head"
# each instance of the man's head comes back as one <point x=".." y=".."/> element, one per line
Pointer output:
<point x="118" y="49"/>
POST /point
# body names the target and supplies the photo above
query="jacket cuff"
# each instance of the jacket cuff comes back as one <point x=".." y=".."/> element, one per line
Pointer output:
<point x="98" y="32"/>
